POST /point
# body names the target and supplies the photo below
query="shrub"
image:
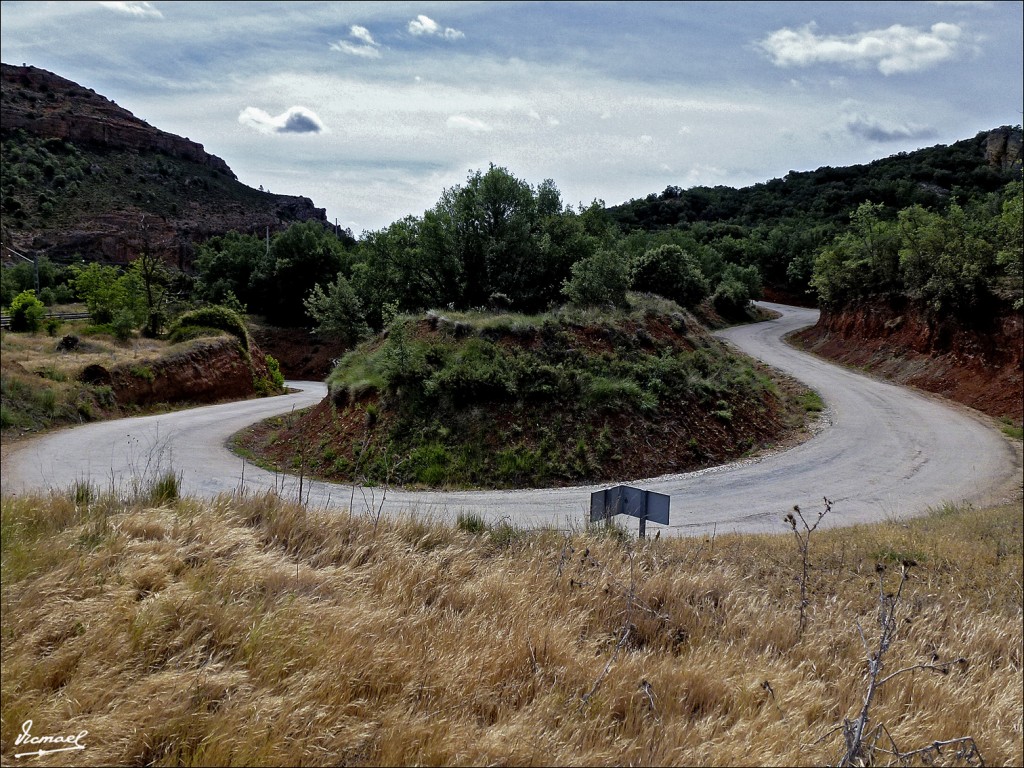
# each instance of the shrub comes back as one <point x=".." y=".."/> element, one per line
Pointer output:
<point x="598" y="280"/>
<point x="220" y="318"/>
<point x="27" y="312"/>
<point x="274" y="369"/>
<point x="671" y="272"/>
<point x="337" y="311"/>
<point x="124" y="324"/>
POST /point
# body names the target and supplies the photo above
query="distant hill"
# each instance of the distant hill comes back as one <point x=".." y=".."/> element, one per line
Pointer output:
<point x="83" y="177"/>
<point x="928" y="176"/>
<point x="779" y="224"/>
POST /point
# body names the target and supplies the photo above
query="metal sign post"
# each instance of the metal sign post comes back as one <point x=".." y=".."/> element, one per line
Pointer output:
<point x="626" y="500"/>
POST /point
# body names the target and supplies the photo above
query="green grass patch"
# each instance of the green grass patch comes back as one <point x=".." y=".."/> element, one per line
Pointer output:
<point x="1012" y="430"/>
<point x="812" y="402"/>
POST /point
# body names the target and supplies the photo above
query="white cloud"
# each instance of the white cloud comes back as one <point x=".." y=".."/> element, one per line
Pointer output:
<point x="896" y="49"/>
<point x="424" y="26"/>
<point x="367" y="47"/>
<point x="468" y="124"/>
<point x="364" y="51"/>
<point x="293" y="120"/>
<point x="134" y="8"/>
<point x="362" y="34"/>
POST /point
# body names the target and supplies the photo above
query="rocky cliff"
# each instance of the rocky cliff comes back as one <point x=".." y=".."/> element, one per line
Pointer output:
<point x="85" y="178"/>
<point x="1003" y="149"/>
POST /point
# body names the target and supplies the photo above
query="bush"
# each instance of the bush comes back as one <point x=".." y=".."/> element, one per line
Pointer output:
<point x="124" y="324"/>
<point x="671" y="272"/>
<point x="337" y="311"/>
<point x="598" y="280"/>
<point x="27" y="312"/>
<point x="220" y="318"/>
<point x="274" y="368"/>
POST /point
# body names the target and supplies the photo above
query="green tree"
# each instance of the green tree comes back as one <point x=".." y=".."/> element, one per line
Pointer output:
<point x="394" y="270"/>
<point x="505" y="240"/>
<point x="863" y="261"/>
<point x="672" y="272"/>
<point x="598" y="280"/>
<point x="738" y="285"/>
<point x="153" y="276"/>
<point x="234" y="264"/>
<point x="1010" y="254"/>
<point x="337" y="311"/>
<point x="108" y="294"/>
<point x="305" y="254"/>
<point x="947" y="262"/>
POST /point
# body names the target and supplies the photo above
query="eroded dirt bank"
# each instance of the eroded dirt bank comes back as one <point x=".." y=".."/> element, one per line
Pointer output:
<point x="209" y="370"/>
<point x="979" y="366"/>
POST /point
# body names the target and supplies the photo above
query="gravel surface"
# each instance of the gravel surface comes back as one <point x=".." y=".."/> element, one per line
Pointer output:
<point x="881" y="452"/>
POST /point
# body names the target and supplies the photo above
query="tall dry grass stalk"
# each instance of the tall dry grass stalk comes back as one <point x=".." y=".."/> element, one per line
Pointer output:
<point x="253" y="631"/>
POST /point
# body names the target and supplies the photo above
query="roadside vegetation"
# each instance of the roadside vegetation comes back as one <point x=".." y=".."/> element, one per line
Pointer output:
<point x="67" y="375"/>
<point x="252" y="630"/>
<point x="471" y="399"/>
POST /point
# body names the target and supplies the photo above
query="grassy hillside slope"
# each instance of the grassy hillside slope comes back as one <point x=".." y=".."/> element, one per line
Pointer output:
<point x="253" y="631"/>
<point x="507" y="400"/>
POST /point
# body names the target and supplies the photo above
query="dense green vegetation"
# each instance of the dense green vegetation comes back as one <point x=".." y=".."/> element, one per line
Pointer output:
<point x="779" y="225"/>
<point x="493" y="243"/>
<point x="939" y="227"/>
<point x="964" y="262"/>
<point x="507" y="400"/>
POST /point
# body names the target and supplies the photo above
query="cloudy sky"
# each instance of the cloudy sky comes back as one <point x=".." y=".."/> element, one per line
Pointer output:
<point x="373" y="108"/>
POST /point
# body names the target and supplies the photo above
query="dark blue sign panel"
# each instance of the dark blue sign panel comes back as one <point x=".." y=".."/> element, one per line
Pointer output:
<point x="626" y="500"/>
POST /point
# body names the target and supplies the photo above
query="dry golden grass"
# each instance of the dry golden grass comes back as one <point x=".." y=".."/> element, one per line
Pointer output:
<point x="250" y="631"/>
<point x="36" y="351"/>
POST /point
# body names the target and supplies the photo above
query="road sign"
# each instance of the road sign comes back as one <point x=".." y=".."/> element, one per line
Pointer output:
<point x="626" y="500"/>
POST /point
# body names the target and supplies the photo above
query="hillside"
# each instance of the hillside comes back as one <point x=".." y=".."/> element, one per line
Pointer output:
<point x="780" y="223"/>
<point x="477" y="400"/>
<point x="83" y="177"/>
<point x="254" y="631"/>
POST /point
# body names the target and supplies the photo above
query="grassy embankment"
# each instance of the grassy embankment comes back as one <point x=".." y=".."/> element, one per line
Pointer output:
<point x="254" y="631"/>
<point x="507" y="400"/>
<point x="40" y="385"/>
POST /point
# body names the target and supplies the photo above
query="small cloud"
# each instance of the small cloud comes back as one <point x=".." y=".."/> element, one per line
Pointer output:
<point x="134" y="8"/>
<point x="471" y="124"/>
<point x="424" y="26"/>
<point x="364" y="51"/>
<point x="367" y="47"/>
<point x="294" y="120"/>
<point x="873" y="129"/>
<point x="894" y="50"/>
<point x="362" y="34"/>
<point x="552" y="121"/>
<point x="646" y="139"/>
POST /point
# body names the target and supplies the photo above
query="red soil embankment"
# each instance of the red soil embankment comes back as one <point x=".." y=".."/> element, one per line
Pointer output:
<point x="978" y="366"/>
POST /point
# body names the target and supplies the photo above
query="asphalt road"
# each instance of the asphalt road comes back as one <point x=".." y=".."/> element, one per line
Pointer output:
<point x="883" y="452"/>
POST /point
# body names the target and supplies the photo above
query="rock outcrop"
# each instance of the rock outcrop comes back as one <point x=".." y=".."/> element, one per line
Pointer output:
<point x="1003" y="149"/>
<point x="53" y="114"/>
